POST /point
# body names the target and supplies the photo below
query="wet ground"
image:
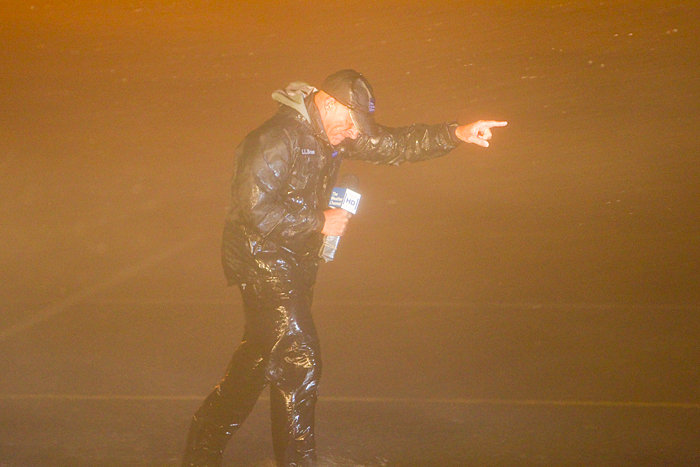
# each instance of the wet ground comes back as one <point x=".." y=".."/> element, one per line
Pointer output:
<point x="535" y="303"/>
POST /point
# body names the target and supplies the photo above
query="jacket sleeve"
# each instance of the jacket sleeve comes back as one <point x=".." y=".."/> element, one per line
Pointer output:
<point x="405" y="144"/>
<point x="259" y="189"/>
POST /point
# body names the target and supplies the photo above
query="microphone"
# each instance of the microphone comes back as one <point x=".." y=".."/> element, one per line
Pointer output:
<point x="343" y="196"/>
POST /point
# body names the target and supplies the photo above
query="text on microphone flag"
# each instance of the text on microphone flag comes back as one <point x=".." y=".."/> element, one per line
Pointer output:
<point x="345" y="198"/>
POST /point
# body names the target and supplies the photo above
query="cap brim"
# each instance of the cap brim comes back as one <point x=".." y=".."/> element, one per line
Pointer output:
<point x="364" y="123"/>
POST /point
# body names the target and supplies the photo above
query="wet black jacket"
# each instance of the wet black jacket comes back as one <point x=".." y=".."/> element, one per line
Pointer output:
<point x="285" y="170"/>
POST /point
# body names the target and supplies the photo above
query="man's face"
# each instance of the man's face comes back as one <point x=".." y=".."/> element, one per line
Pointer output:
<point x="338" y="124"/>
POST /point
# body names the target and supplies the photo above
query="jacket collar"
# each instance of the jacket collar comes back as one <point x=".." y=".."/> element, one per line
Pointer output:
<point x="299" y="97"/>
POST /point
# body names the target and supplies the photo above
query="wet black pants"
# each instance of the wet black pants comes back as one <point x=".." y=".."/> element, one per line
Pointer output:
<point x="280" y="348"/>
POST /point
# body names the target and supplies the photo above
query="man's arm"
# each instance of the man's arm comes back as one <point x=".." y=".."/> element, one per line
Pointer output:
<point x="419" y="141"/>
<point x="405" y="144"/>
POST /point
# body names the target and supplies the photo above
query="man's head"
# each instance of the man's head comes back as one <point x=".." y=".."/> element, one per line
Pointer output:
<point x="346" y="103"/>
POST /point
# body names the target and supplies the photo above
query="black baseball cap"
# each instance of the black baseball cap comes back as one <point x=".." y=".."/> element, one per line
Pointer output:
<point x="353" y="90"/>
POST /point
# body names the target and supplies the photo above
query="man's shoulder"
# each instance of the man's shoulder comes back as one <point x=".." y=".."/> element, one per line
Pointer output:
<point x="283" y="128"/>
<point x="284" y="121"/>
<point x="274" y="142"/>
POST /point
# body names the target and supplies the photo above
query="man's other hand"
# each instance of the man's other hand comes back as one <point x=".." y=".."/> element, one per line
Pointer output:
<point x="336" y="221"/>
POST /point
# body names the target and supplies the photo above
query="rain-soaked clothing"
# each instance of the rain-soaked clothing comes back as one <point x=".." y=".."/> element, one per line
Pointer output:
<point x="285" y="171"/>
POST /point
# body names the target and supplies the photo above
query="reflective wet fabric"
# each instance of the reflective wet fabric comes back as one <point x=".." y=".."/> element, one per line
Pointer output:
<point x="285" y="170"/>
<point x="279" y="347"/>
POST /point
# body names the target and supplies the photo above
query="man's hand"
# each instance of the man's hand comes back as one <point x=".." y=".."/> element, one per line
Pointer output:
<point x="478" y="132"/>
<point x="336" y="221"/>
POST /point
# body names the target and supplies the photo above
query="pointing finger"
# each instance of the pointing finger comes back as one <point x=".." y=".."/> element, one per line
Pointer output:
<point x="494" y="123"/>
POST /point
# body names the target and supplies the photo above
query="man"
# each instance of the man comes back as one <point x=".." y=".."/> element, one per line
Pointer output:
<point x="272" y="236"/>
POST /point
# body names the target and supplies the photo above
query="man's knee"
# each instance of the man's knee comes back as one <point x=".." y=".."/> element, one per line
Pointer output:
<point x="295" y="364"/>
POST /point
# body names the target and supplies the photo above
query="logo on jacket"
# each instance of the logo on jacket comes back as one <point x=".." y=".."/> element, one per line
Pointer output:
<point x="305" y="151"/>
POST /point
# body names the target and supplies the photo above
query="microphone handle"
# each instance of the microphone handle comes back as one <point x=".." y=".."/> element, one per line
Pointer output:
<point x="329" y="247"/>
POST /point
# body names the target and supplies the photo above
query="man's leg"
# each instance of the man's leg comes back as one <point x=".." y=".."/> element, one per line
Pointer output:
<point x="292" y="403"/>
<point x="294" y="371"/>
<point x="280" y="346"/>
<point x="232" y="400"/>
<point x="227" y="407"/>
